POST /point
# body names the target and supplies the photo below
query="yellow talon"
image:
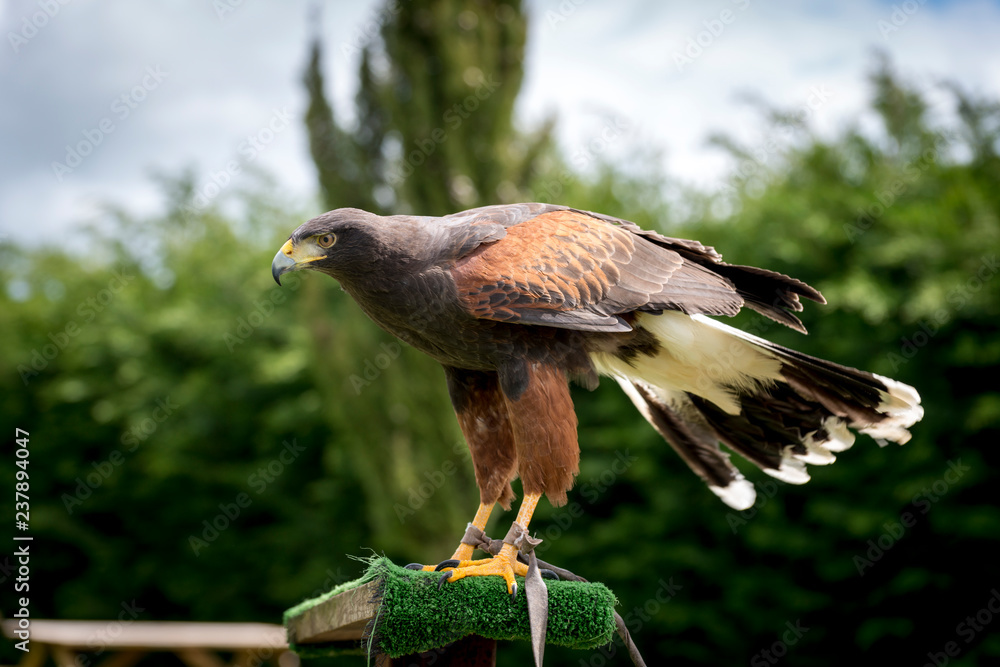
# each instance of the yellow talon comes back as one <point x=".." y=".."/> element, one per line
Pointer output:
<point x="463" y="554"/>
<point x="504" y="564"/>
<point x="452" y="563"/>
<point x="472" y="563"/>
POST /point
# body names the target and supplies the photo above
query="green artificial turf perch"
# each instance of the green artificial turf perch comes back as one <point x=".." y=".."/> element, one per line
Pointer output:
<point x="412" y="615"/>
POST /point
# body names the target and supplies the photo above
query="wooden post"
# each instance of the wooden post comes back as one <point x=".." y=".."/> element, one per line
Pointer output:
<point x="343" y="618"/>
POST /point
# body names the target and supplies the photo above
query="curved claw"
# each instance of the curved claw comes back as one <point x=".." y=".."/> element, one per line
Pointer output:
<point x="549" y="574"/>
<point x="451" y="562"/>
<point x="413" y="566"/>
<point x="443" y="579"/>
<point x="513" y="593"/>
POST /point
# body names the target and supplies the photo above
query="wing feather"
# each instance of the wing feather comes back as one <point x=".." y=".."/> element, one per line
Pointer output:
<point x="772" y="294"/>
<point x="567" y="268"/>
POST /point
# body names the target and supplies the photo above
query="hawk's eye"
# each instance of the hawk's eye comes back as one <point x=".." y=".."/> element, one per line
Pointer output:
<point x="326" y="240"/>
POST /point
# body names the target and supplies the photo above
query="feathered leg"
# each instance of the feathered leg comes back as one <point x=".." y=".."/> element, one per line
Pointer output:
<point x="541" y="422"/>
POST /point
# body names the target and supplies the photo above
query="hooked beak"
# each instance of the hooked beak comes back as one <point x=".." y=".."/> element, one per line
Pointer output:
<point x="283" y="261"/>
<point x="293" y="257"/>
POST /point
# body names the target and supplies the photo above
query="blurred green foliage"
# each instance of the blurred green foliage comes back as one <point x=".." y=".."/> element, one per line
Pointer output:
<point x="167" y="383"/>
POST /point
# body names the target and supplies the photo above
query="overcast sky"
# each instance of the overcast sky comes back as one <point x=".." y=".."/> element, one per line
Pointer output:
<point x="147" y="87"/>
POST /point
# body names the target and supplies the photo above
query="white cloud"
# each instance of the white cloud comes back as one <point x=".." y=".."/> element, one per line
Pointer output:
<point x="226" y="76"/>
<point x="622" y="57"/>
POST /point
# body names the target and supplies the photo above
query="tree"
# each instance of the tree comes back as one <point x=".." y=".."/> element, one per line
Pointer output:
<point x="434" y="131"/>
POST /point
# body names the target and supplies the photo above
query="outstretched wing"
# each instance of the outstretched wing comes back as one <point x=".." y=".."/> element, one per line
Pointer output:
<point x="570" y="269"/>
<point x="770" y="293"/>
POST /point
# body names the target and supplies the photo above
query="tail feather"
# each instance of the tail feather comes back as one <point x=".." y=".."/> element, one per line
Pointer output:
<point x="778" y="408"/>
<point x="695" y="442"/>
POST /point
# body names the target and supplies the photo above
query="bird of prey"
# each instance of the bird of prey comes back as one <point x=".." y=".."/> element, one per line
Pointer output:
<point x="515" y="301"/>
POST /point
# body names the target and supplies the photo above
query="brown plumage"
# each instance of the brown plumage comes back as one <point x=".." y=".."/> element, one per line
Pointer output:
<point x="515" y="301"/>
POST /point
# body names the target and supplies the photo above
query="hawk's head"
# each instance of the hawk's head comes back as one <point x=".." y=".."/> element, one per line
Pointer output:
<point x="340" y="243"/>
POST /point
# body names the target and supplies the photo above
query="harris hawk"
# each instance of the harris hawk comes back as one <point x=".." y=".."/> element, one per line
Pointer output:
<point x="515" y="301"/>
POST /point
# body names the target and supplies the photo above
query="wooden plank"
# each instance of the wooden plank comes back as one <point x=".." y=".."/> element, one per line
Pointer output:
<point x="154" y="635"/>
<point x="341" y="618"/>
